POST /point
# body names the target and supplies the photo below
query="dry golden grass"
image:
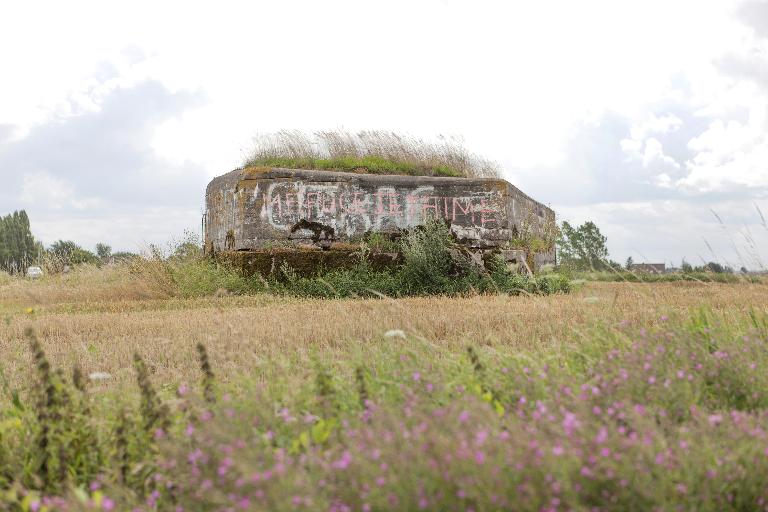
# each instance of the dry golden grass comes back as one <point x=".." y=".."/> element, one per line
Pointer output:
<point x="85" y="284"/>
<point x="378" y="151"/>
<point x="97" y="318"/>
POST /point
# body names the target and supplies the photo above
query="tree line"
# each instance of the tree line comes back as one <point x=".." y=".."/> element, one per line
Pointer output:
<point x="581" y="247"/>
<point x="584" y="248"/>
<point x="19" y="249"/>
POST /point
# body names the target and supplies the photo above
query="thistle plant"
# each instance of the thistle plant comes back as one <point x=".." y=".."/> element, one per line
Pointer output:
<point x="66" y="443"/>
<point x="81" y="385"/>
<point x="486" y="392"/>
<point x="78" y="379"/>
<point x="47" y="415"/>
<point x="63" y="428"/>
<point x="208" y="377"/>
<point x="477" y="365"/>
<point x="121" y="446"/>
<point x="153" y="411"/>
<point x="326" y="394"/>
<point x="362" y="389"/>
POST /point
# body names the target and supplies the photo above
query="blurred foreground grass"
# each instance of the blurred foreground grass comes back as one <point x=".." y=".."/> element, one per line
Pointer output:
<point x="618" y="395"/>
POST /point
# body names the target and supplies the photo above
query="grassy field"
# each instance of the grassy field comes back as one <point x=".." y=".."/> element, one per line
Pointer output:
<point x="99" y="317"/>
<point x="315" y="387"/>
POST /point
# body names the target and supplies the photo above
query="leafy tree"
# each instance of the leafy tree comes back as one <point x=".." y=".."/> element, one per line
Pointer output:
<point x="18" y="247"/>
<point x="124" y="256"/>
<point x="187" y="250"/>
<point x="103" y="251"/>
<point x="68" y="252"/>
<point x="630" y="262"/>
<point x="716" y="268"/>
<point x="582" y="247"/>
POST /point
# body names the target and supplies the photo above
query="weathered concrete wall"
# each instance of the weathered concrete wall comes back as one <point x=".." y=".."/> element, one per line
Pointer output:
<point x="256" y="208"/>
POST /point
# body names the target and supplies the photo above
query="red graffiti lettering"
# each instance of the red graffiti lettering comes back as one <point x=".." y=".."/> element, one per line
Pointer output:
<point x="487" y="215"/>
<point x="426" y="206"/>
<point x="462" y="211"/>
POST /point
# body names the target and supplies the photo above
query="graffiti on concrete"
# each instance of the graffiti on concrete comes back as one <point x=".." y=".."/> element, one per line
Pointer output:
<point x="250" y="209"/>
<point x="353" y="208"/>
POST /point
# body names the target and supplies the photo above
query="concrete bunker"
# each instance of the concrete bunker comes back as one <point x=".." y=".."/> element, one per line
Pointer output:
<point x="261" y="216"/>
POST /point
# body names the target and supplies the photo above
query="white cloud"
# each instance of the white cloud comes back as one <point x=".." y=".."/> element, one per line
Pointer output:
<point x="663" y="180"/>
<point x="644" y="147"/>
<point x="512" y="77"/>
<point x="92" y="176"/>
<point x="655" y="124"/>
<point x="731" y="154"/>
<point x="654" y="155"/>
<point x="124" y="230"/>
<point x="42" y="190"/>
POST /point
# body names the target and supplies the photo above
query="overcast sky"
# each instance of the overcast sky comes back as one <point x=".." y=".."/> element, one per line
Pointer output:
<point x="650" y="118"/>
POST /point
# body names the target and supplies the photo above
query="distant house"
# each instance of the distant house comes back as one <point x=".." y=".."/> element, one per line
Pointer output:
<point x="648" y="268"/>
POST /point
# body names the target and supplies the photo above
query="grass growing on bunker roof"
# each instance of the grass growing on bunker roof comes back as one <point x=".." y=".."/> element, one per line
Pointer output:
<point x="371" y="152"/>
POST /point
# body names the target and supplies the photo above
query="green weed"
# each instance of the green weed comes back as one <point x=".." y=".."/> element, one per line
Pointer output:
<point x="432" y="264"/>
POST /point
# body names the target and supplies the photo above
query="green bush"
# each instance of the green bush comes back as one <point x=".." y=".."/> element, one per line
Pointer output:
<point x="201" y="277"/>
<point x="69" y="253"/>
<point x="360" y="281"/>
<point x="433" y="264"/>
